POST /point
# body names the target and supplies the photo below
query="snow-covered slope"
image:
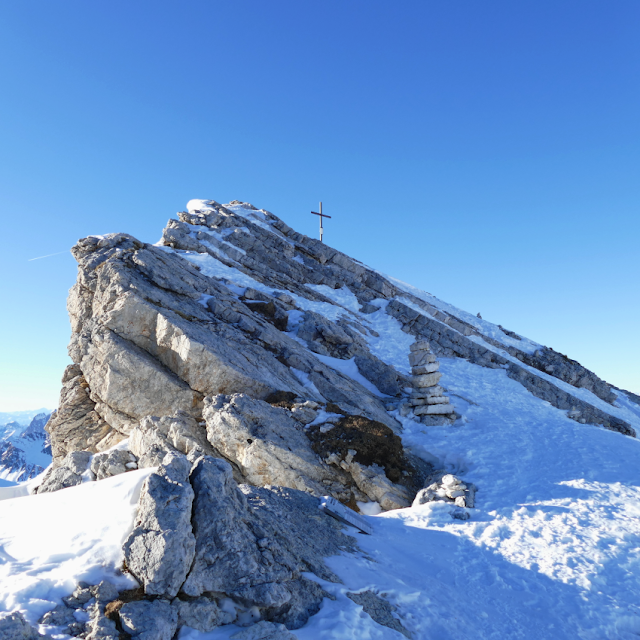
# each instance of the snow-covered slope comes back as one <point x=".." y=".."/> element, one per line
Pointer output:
<point x="24" y="449"/>
<point x="551" y="549"/>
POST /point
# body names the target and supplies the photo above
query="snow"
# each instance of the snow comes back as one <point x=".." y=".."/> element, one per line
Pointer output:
<point x="342" y="296"/>
<point x="220" y="236"/>
<point x="258" y="218"/>
<point x="350" y="369"/>
<point x="306" y="383"/>
<point x="483" y="326"/>
<point x="49" y="542"/>
<point x="199" y="205"/>
<point x="392" y="344"/>
<point x="622" y="409"/>
<point x="210" y="266"/>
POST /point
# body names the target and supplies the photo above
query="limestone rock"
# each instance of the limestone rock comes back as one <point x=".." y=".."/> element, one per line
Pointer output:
<point x="258" y="544"/>
<point x="382" y="376"/>
<point x="227" y="558"/>
<point x="373" y="482"/>
<point x="80" y="596"/>
<point x="427" y="392"/>
<point x="427" y="380"/>
<point x="160" y="549"/>
<point x="448" y="489"/>
<point x="129" y="381"/>
<point x="268" y="445"/>
<point x="149" y="620"/>
<point x="434" y="409"/>
<point x="105" y="465"/>
<point x="61" y="616"/>
<point x="421" y="358"/>
<point x="99" y="626"/>
<point x="425" y="368"/>
<point x="201" y="614"/>
<point x="68" y="474"/>
<point x="75" y="426"/>
<point x="13" y="626"/>
<point x="154" y="437"/>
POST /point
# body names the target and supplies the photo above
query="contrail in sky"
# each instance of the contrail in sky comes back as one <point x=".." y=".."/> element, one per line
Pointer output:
<point x="51" y="254"/>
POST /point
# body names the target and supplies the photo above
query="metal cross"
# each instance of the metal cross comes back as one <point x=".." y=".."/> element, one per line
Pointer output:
<point x="322" y="215"/>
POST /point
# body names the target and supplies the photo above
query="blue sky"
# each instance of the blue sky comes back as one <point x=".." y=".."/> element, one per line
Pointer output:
<point x="487" y="152"/>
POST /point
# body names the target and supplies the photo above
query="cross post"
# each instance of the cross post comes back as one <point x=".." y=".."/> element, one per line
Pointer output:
<point x="322" y="215"/>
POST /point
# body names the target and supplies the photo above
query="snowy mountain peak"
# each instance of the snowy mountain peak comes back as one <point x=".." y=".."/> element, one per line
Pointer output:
<point x="242" y="369"/>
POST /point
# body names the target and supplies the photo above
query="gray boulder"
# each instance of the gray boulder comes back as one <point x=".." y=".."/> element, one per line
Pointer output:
<point x="227" y="557"/>
<point x="265" y="442"/>
<point x="259" y="543"/>
<point x="149" y="620"/>
<point x="100" y="627"/>
<point x="61" y="616"/>
<point x="154" y="437"/>
<point x="68" y="474"/>
<point x="201" y="614"/>
<point x="112" y="463"/>
<point x="160" y="549"/>
<point x="13" y="626"/>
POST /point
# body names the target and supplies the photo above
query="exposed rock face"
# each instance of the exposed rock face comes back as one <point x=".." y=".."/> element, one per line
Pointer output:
<point x="255" y="548"/>
<point x="240" y="359"/>
<point x="75" y="426"/>
<point x="154" y="333"/>
<point x="160" y="549"/>
<point x="201" y="614"/>
<point x="199" y="536"/>
<point x="271" y="447"/>
<point x="266" y="443"/>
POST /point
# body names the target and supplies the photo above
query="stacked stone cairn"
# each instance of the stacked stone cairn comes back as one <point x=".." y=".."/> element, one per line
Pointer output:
<point x="427" y="399"/>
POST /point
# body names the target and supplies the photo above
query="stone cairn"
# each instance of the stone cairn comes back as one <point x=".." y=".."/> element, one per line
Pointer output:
<point x="428" y="402"/>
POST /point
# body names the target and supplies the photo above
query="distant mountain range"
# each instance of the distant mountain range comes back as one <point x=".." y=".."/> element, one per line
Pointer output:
<point x="24" y="445"/>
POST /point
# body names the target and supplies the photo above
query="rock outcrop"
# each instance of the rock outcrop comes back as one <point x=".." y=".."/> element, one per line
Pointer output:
<point x="235" y="301"/>
<point x="243" y="361"/>
<point x="198" y="534"/>
<point x="13" y="626"/>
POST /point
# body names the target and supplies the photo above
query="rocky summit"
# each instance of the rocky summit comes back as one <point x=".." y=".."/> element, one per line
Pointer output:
<point x="244" y="371"/>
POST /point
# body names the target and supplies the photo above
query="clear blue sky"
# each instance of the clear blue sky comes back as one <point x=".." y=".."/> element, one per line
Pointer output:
<point x="487" y="152"/>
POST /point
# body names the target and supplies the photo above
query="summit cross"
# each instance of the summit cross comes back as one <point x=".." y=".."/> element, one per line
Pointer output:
<point x="322" y="215"/>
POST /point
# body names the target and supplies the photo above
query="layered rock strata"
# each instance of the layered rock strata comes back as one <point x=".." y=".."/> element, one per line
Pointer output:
<point x="154" y="333"/>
